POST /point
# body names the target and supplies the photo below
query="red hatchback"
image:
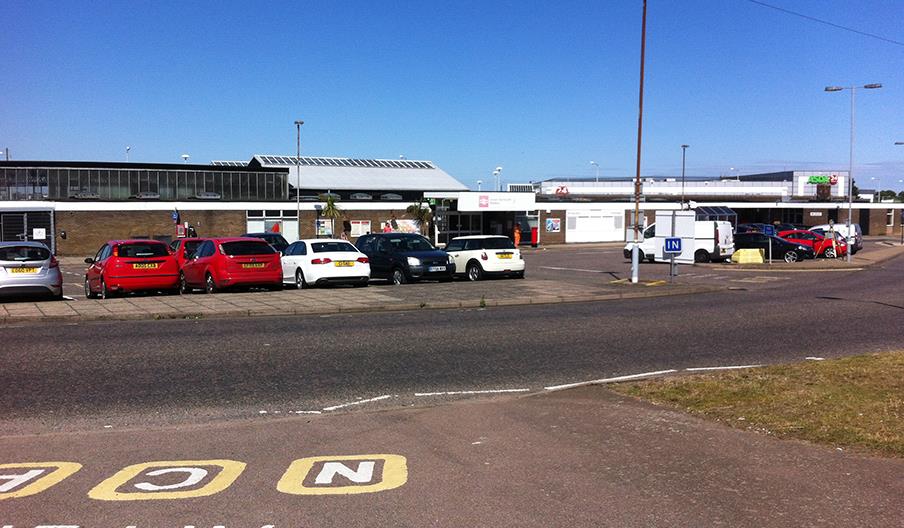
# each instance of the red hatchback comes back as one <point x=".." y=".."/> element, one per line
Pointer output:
<point x="122" y="266"/>
<point x="220" y="263"/>
<point x="822" y="246"/>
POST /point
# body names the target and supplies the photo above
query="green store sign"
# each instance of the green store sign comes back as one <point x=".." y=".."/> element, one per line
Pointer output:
<point x="823" y="179"/>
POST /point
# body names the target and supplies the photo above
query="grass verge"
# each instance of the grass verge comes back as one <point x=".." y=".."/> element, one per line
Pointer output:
<point x="855" y="402"/>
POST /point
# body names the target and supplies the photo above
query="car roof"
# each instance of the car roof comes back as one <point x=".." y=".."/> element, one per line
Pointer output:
<point x="135" y="241"/>
<point x="222" y="240"/>
<point x="258" y="235"/>
<point x="312" y="240"/>
<point x="478" y="237"/>
<point x="26" y="243"/>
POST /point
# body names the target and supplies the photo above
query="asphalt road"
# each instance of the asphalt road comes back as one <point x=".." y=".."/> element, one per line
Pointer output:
<point x="84" y="376"/>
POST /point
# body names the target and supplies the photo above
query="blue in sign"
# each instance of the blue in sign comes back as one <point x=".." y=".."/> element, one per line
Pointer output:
<point x="673" y="245"/>
<point x="769" y="230"/>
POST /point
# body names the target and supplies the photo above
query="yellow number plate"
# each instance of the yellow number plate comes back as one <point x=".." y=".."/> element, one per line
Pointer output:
<point x="254" y="265"/>
<point x="144" y="266"/>
<point x="504" y="255"/>
<point x="23" y="270"/>
<point x="343" y="263"/>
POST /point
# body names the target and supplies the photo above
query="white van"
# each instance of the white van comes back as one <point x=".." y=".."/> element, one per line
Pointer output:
<point x="713" y="241"/>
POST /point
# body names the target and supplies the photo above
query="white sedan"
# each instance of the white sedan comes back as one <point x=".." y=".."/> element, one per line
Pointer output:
<point x="324" y="261"/>
<point x="481" y="255"/>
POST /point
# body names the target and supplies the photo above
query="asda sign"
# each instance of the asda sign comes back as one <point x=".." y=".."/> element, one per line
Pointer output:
<point x="823" y="179"/>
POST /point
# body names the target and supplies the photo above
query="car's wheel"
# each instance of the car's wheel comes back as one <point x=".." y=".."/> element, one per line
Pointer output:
<point x="701" y="256"/>
<point x="791" y="256"/>
<point x="88" y="293"/>
<point x="184" y="289"/>
<point x="830" y="253"/>
<point x="398" y="276"/>
<point x="105" y="293"/>
<point x="210" y="286"/>
<point x="300" y="283"/>
<point x="519" y="274"/>
<point x="474" y="271"/>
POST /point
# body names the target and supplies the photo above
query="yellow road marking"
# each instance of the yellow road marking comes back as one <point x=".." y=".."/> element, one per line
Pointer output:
<point x="395" y="474"/>
<point x="39" y="482"/>
<point x="106" y="490"/>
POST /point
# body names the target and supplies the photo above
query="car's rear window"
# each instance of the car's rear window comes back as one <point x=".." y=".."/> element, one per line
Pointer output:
<point x="327" y="247"/>
<point x="247" y="248"/>
<point x="498" y="243"/>
<point x="191" y="247"/>
<point x="142" y="250"/>
<point x="23" y="253"/>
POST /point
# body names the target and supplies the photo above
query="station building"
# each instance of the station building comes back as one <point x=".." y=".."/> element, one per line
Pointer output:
<point x="75" y="207"/>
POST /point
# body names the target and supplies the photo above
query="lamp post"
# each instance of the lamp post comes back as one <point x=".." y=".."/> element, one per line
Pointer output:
<point x="635" y="250"/>
<point x="497" y="180"/>
<point x="127" y="153"/>
<point x="185" y="158"/>
<point x="850" y="185"/>
<point x="597" y="165"/>
<point x="683" y="157"/>
<point x="479" y="183"/>
<point x="298" y="124"/>
<point x="878" y="188"/>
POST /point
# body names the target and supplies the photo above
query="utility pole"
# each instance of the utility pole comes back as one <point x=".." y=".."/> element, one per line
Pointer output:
<point x="635" y="257"/>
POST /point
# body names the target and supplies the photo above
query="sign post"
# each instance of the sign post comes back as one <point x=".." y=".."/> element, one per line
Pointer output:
<point x="671" y="248"/>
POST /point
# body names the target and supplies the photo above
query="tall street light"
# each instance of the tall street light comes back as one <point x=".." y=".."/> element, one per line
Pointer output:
<point x="850" y="186"/>
<point x="597" y="165"/>
<point x="683" y="156"/>
<point x="497" y="180"/>
<point x="298" y="175"/>
<point x="635" y="250"/>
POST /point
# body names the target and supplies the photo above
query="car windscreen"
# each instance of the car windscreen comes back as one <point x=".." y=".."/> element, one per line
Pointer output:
<point x="247" y="248"/>
<point x="498" y="243"/>
<point x="137" y="250"/>
<point x="411" y="244"/>
<point x="191" y="247"/>
<point x="326" y="247"/>
<point x="23" y="253"/>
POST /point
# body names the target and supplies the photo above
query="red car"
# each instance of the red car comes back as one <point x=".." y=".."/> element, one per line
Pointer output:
<point x="184" y="248"/>
<point x="221" y="263"/>
<point x="122" y="266"/>
<point x="822" y="246"/>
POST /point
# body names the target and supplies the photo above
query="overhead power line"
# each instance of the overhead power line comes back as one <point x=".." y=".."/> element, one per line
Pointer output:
<point x="820" y="21"/>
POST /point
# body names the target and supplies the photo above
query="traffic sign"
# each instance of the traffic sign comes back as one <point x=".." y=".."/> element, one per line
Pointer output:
<point x="672" y="245"/>
<point x="769" y="230"/>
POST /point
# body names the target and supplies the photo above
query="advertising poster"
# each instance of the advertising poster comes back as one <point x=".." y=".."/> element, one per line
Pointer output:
<point x="553" y="225"/>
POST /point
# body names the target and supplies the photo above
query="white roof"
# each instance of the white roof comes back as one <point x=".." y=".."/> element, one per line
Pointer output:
<point x="364" y="174"/>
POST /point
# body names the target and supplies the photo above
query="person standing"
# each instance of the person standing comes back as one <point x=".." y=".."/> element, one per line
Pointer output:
<point x="517" y="234"/>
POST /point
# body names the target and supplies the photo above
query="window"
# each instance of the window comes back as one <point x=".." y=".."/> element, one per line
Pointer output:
<point x="247" y="248"/>
<point x="498" y="243"/>
<point x="472" y="245"/>
<point x="328" y="247"/>
<point x="23" y="253"/>
<point x="255" y="214"/>
<point x="142" y="250"/>
<point x="456" y="245"/>
<point x="366" y="244"/>
<point x="890" y="218"/>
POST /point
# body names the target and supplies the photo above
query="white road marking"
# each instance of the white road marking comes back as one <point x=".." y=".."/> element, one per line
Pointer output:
<point x="452" y="393"/>
<point x="571" y="269"/>
<point x="611" y="380"/>
<point x="814" y="358"/>
<point x="359" y="402"/>
<point x="307" y="412"/>
<point x="68" y="298"/>
<point x="695" y="369"/>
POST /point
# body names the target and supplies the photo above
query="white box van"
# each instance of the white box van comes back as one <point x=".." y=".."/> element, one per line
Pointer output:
<point x="713" y="241"/>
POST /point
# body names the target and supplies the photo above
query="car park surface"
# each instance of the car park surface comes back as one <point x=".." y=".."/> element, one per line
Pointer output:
<point x="405" y="257"/>
<point x="478" y="256"/>
<point x="221" y="263"/>
<point x="124" y="266"/>
<point x="29" y="269"/>
<point x="321" y="261"/>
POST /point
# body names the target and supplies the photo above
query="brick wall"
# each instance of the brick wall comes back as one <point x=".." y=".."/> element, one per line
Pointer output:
<point x="86" y="231"/>
<point x="308" y="219"/>
<point x="547" y="238"/>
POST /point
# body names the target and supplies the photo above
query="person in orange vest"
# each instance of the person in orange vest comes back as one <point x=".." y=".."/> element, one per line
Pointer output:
<point x="517" y="234"/>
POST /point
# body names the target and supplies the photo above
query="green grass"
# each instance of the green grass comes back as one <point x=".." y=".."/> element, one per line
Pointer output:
<point x="852" y="403"/>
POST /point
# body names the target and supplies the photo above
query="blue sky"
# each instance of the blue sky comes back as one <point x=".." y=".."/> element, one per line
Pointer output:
<point x="539" y="88"/>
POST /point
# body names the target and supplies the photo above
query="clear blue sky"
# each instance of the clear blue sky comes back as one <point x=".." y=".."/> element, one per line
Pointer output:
<point x="540" y="88"/>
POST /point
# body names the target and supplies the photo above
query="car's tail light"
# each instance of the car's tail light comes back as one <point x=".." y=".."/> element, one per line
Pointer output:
<point x="363" y="260"/>
<point x="54" y="263"/>
<point x="483" y="256"/>
<point x="116" y="251"/>
<point x="321" y="261"/>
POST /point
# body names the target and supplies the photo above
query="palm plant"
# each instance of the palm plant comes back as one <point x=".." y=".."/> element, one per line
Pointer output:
<point x="421" y="214"/>
<point x="330" y="209"/>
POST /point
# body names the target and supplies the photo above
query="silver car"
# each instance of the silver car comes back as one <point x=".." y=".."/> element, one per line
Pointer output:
<point x="29" y="268"/>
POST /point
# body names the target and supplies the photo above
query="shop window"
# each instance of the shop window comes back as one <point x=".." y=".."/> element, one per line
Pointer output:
<point x="890" y="218"/>
<point x="255" y="214"/>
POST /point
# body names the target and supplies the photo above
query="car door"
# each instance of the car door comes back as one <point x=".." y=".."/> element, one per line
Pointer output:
<point x="294" y="258"/>
<point x="455" y="249"/>
<point x="96" y="269"/>
<point x="194" y="267"/>
<point x="381" y="263"/>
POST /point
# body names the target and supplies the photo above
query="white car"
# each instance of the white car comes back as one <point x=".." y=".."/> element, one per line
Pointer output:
<point x="324" y="261"/>
<point x="480" y="255"/>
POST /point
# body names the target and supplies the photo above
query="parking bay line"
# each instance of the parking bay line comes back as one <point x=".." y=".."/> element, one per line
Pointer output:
<point x="731" y="367"/>
<point x="359" y="402"/>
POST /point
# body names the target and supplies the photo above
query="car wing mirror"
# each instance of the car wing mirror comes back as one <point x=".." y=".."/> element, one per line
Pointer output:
<point x="89" y="260"/>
